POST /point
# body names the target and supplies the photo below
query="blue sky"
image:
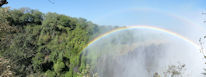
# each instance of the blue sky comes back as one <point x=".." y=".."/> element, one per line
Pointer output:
<point x="123" y="12"/>
<point x="180" y="16"/>
<point x="94" y="9"/>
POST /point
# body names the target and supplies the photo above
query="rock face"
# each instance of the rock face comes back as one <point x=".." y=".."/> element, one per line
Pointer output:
<point x="2" y="2"/>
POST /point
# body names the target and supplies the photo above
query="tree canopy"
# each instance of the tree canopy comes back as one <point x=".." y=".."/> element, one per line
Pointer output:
<point x="48" y="44"/>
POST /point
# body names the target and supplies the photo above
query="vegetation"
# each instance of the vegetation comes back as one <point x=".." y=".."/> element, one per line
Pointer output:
<point x="172" y="71"/>
<point x="38" y="44"/>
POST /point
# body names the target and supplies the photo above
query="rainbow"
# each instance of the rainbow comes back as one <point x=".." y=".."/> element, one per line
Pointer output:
<point x="144" y="27"/>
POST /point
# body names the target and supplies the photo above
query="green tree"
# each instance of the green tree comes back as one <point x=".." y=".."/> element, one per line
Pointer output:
<point x="44" y="44"/>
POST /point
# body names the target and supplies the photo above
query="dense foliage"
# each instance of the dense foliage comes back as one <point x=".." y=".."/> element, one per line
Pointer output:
<point x="38" y="44"/>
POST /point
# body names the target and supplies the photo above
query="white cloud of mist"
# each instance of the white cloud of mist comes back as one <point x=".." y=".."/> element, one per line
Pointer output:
<point x="141" y="53"/>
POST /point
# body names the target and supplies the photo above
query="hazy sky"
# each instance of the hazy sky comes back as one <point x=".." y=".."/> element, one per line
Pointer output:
<point x="180" y="16"/>
<point x="97" y="10"/>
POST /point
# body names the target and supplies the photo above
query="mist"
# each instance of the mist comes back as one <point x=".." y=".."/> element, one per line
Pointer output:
<point x="143" y="53"/>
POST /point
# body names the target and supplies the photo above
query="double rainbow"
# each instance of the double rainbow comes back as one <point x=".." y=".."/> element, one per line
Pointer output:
<point x="145" y="27"/>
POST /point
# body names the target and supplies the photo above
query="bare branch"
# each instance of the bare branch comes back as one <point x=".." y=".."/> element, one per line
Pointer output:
<point x="3" y="2"/>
